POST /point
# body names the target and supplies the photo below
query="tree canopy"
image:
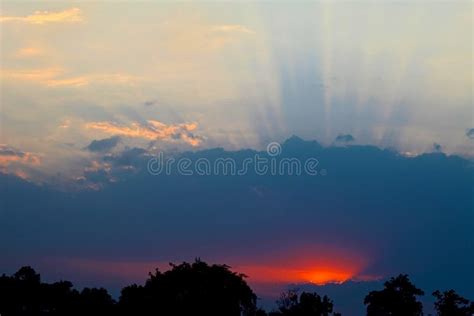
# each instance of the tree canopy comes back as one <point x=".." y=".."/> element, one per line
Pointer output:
<point x="194" y="289"/>
<point x="398" y="298"/>
<point x="449" y="303"/>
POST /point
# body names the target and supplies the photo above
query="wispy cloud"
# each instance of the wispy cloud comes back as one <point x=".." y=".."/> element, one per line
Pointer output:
<point x="73" y="15"/>
<point x="57" y="77"/>
<point x="40" y="75"/>
<point x="29" y="52"/>
<point x="232" y="28"/>
<point x="195" y="35"/>
<point x="153" y="130"/>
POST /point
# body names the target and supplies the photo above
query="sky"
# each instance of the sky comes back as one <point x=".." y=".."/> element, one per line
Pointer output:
<point x="391" y="74"/>
<point x="91" y="90"/>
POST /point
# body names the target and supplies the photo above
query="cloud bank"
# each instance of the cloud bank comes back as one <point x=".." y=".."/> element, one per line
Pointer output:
<point x="411" y="215"/>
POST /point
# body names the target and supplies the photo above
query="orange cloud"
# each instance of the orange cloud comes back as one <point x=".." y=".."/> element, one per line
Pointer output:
<point x="9" y="155"/>
<point x="13" y="160"/>
<point x="232" y="28"/>
<point x="55" y="77"/>
<point x="29" y="52"/>
<point x="41" y="75"/>
<point x="154" y="130"/>
<point x="73" y="15"/>
<point x="65" y="124"/>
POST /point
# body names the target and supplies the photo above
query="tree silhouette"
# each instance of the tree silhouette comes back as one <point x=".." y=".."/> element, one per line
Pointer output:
<point x="449" y="303"/>
<point x="398" y="298"/>
<point x="306" y="304"/>
<point x="20" y="294"/>
<point x="200" y="289"/>
<point x="59" y="298"/>
<point x="23" y="294"/>
<point x="95" y="302"/>
<point x="191" y="289"/>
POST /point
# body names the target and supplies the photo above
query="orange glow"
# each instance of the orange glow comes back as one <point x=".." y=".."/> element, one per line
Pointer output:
<point x="315" y="265"/>
<point x="298" y="272"/>
<point x="317" y="275"/>
<point x="154" y="130"/>
<point x="268" y="275"/>
<point x="72" y="15"/>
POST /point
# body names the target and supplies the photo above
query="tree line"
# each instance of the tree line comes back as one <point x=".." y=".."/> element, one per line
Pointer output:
<point x="194" y="289"/>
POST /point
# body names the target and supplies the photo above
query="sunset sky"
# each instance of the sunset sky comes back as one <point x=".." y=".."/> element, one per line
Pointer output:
<point x="90" y="90"/>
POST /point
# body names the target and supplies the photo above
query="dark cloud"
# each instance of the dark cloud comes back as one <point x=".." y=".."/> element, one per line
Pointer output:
<point x="7" y="151"/>
<point x="103" y="144"/>
<point x="345" y="138"/>
<point x="437" y="147"/>
<point x="97" y="176"/>
<point x="128" y="157"/>
<point x="470" y="133"/>
<point x="411" y="215"/>
<point x="112" y="167"/>
<point x="150" y="103"/>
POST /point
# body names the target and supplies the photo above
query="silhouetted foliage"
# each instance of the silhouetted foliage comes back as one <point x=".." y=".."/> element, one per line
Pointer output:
<point x="191" y="289"/>
<point x="23" y="294"/>
<point x="398" y="298"/>
<point x="96" y="301"/>
<point x="200" y="289"/>
<point x="306" y="304"/>
<point x="449" y="303"/>
<point x="261" y="312"/>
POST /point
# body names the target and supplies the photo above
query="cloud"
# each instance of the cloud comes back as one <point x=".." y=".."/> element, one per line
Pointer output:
<point x="130" y="157"/>
<point x="73" y="15"/>
<point x="29" y="52"/>
<point x="57" y="77"/>
<point x="17" y="162"/>
<point x="9" y="155"/>
<point x="232" y="28"/>
<point x="416" y="220"/>
<point x="198" y="36"/>
<point x="65" y="123"/>
<point x="470" y="133"/>
<point x="111" y="167"/>
<point x="345" y="138"/>
<point x="150" y="103"/>
<point x="41" y="75"/>
<point x="437" y="147"/>
<point x="153" y="130"/>
<point x="103" y="144"/>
